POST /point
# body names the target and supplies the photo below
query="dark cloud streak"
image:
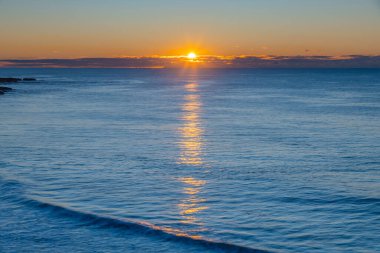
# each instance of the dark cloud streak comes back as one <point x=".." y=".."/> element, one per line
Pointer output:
<point x="349" y="61"/>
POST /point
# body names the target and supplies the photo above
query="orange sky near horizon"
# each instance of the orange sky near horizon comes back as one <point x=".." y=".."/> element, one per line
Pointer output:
<point x="116" y="28"/>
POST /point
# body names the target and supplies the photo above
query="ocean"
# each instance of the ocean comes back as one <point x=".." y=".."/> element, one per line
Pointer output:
<point x="190" y="160"/>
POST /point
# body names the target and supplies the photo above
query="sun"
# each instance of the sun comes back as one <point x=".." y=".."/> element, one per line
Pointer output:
<point x="192" y="56"/>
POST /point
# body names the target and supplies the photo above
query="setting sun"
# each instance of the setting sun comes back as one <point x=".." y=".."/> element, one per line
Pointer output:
<point x="192" y="56"/>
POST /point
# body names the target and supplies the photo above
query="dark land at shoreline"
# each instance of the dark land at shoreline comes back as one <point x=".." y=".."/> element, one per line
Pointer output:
<point x="4" y="89"/>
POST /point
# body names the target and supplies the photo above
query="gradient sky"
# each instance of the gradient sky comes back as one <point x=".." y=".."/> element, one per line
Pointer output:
<point x="116" y="28"/>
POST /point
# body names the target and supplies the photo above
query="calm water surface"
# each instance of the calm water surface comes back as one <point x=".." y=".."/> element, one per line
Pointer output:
<point x="97" y="160"/>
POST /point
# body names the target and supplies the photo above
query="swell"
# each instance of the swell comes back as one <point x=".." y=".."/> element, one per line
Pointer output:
<point x="352" y="200"/>
<point x="12" y="189"/>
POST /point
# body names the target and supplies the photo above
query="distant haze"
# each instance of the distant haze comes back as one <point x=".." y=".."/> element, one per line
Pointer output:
<point x="119" y="28"/>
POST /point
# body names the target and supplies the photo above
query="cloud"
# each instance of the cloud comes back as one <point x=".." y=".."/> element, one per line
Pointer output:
<point x="266" y="61"/>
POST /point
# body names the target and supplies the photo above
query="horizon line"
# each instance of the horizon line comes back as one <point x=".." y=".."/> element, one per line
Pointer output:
<point x="184" y="56"/>
<point x="201" y="61"/>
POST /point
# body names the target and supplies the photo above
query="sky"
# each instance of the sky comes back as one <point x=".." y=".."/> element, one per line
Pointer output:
<point x="40" y="29"/>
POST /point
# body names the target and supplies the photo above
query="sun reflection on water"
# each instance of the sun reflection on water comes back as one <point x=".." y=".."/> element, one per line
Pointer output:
<point x="191" y="145"/>
<point x="191" y="131"/>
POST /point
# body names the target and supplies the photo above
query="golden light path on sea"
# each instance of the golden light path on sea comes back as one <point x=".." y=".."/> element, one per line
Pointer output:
<point x="191" y="144"/>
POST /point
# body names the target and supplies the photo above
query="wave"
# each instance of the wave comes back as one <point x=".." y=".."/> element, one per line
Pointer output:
<point x="337" y="199"/>
<point x="10" y="188"/>
<point x="109" y="221"/>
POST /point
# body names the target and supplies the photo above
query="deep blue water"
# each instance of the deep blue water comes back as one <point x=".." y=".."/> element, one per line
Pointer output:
<point x="134" y="160"/>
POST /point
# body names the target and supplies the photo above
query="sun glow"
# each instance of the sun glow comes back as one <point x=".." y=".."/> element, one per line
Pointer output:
<point x="192" y="56"/>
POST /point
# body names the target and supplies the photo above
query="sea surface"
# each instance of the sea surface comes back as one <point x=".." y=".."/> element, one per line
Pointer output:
<point x="187" y="160"/>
